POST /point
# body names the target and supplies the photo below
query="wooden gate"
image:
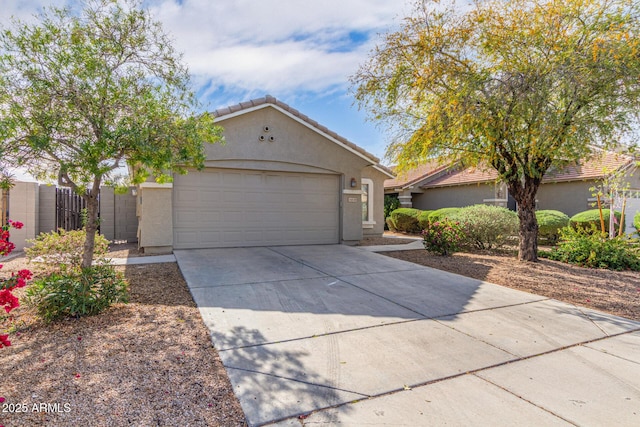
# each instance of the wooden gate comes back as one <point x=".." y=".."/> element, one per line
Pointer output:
<point x="69" y="208"/>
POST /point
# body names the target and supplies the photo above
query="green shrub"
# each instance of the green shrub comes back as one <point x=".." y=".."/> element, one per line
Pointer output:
<point x="636" y="221"/>
<point x="585" y="219"/>
<point x="405" y="220"/>
<point x="486" y="226"/>
<point x="549" y="224"/>
<point x="592" y="248"/>
<point x="442" y="237"/>
<point x="64" y="248"/>
<point x="423" y="219"/>
<point x="77" y="293"/>
<point x="391" y="203"/>
<point x="390" y="225"/>
<point x="443" y="213"/>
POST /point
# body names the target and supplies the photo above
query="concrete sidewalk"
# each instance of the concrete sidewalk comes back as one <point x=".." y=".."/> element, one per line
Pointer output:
<point x="152" y="259"/>
<point x="336" y="335"/>
<point x="417" y="244"/>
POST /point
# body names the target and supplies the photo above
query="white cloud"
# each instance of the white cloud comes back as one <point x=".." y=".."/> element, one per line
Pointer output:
<point x="276" y="46"/>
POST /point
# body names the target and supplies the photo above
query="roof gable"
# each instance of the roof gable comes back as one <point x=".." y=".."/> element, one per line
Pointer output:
<point x="417" y="176"/>
<point x="271" y="102"/>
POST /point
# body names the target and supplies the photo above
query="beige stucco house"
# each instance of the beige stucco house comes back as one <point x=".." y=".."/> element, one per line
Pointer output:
<point x="434" y="186"/>
<point x="280" y="179"/>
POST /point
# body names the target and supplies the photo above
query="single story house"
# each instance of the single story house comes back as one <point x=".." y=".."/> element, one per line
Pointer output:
<point x="280" y="178"/>
<point x="433" y="185"/>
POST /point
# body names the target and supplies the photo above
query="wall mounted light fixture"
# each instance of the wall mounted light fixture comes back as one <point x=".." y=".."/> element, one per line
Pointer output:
<point x="353" y="182"/>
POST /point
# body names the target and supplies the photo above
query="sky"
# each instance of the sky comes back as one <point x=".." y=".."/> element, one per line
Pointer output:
<point x="300" y="51"/>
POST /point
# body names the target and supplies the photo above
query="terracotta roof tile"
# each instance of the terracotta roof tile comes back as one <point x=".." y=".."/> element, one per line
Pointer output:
<point x="413" y="176"/>
<point x="463" y="176"/>
<point x="594" y="168"/>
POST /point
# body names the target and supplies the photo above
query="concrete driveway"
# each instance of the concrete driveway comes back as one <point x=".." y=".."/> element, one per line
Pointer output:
<point x="333" y="334"/>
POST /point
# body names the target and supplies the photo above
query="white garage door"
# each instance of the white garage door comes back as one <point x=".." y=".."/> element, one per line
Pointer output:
<point x="232" y="207"/>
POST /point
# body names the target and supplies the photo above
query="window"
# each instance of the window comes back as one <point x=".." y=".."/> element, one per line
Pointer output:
<point x="367" y="203"/>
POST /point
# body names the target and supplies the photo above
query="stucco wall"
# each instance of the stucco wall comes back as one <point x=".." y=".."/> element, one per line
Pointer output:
<point x="567" y="197"/>
<point x="118" y="219"/>
<point x="47" y="208"/>
<point x="290" y="146"/>
<point x="155" y="207"/>
<point x="378" y="179"/>
<point x="24" y="207"/>
<point x="451" y="197"/>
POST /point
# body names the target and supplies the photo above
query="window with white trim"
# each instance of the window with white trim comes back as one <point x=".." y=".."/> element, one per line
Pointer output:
<point x="367" y="203"/>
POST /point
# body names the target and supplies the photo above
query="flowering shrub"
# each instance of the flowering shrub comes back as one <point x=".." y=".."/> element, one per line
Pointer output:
<point x="8" y="301"/>
<point x="443" y="237"/>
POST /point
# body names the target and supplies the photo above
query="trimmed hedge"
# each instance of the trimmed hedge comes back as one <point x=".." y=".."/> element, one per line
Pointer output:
<point x="405" y="220"/>
<point x="636" y="221"/>
<point x="423" y="219"/>
<point x="390" y="225"/>
<point x="486" y="226"/>
<point x="585" y="219"/>
<point x="549" y="224"/>
<point x="441" y="214"/>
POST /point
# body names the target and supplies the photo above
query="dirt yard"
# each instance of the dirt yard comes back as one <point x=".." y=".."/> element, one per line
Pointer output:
<point x="609" y="291"/>
<point x="149" y="362"/>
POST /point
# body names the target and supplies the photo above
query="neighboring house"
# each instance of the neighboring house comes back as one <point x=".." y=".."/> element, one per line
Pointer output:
<point x="279" y="179"/>
<point x="568" y="190"/>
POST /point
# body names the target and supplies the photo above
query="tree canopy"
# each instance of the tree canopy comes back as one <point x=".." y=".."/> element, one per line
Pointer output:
<point x="83" y="93"/>
<point x="519" y="86"/>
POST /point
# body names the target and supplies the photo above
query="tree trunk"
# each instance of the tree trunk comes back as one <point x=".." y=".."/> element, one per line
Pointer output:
<point x="91" y="227"/>
<point x="528" y="248"/>
<point x="525" y="195"/>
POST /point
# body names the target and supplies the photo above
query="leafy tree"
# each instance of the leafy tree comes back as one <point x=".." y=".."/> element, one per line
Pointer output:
<point x="84" y="93"/>
<point x="519" y="86"/>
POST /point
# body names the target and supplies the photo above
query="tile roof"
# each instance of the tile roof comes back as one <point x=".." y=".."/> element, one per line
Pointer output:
<point x="414" y="176"/>
<point x="463" y="176"/>
<point x="594" y="168"/>
<point x="270" y="100"/>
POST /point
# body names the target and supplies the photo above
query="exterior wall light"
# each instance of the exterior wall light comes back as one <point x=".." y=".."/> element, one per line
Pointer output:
<point x="353" y="182"/>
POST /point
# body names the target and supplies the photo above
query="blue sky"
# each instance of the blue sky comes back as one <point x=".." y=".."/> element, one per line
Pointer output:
<point x="300" y="51"/>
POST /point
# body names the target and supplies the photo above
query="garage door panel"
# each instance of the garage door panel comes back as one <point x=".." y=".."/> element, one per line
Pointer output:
<point x="226" y="208"/>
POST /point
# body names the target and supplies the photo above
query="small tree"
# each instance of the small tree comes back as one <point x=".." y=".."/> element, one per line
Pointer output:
<point x="518" y="86"/>
<point x="83" y="94"/>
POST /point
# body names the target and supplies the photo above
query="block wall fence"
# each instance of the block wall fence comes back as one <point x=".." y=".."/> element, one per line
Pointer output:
<point x="34" y="205"/>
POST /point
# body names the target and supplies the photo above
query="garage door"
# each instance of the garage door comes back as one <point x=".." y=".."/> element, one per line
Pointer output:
<point x="230" y="208"/>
